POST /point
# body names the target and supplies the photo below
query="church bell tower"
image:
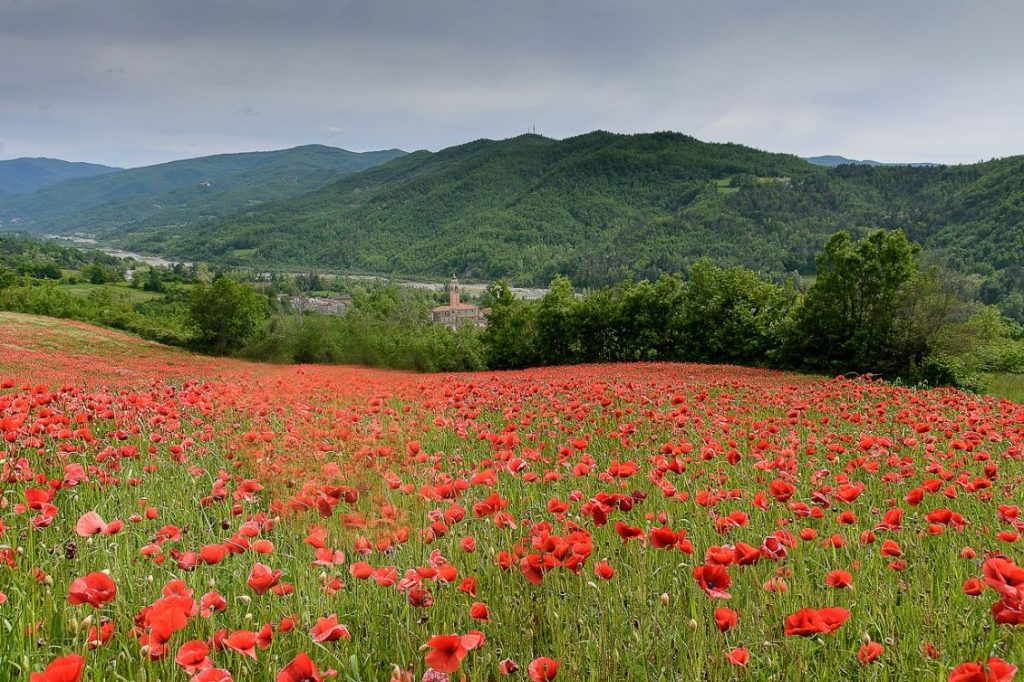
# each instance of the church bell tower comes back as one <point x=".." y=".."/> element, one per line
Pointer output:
<point x="453" y="292"/>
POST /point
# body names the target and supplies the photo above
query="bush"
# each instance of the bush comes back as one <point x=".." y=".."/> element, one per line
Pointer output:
<point x="934" y="372"/>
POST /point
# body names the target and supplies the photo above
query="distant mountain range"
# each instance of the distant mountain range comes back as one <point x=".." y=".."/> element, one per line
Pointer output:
<point x="20" y="176"/>
<point x="172" y="196"/>
<point x="832" y="161"/>
<point x="600" y="206"/>
<point x="597" y="207"/>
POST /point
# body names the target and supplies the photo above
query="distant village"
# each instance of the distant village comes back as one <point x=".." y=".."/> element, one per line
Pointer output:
<point x="457" y="312"/>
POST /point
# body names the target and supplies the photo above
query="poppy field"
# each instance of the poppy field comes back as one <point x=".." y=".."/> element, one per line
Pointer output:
<point x="165" y="516"/>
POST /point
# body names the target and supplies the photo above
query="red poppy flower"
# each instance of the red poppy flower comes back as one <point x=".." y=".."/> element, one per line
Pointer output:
<point x="447" y="651"/>
<point x="839" y="579"/>
<point x="627" y="532"/>
<point x="193" y="656"/>
<point x="726" y="619"/>
<point x="773" y="548"/>
<point x="745" y="555"/>
<point x="1005" y="577"/>
<point x="265" y="637"/>
<point x="663" y="538"/>
<point x="419" y="597"/>
<point x="479" y="611"/>
<point x="302" y="669"/>
<point x="780" y="490"/>
<point x="995" y="670"/>
<point x="328" y="630"/>
<point x="809" y="622"/>
<point x="242" y="641"/>
<point x="210" y="602"/>
<point x="101" y="634"/>
<point x="213" y="554"/>
<point x="262" y="578"/>
<point x="973" y="587"/>
<point x="542" y="669"/>
<point x="714" y="579"/>
<point x="95" y="589"/>
<point x="263" y="546"/>
<point x="90" y="523"/>
<point x="165" y="617"/>
<point x="361" y="570"/>
<point x="870" y="652"/>
<point x="64" y="669"/>
<point x="891" y="548"/>
<point x="738" y="657"/>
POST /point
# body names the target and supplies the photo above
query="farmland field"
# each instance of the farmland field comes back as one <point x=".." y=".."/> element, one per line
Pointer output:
<point x="165" y="516"/>
<point x="119" y="292"/>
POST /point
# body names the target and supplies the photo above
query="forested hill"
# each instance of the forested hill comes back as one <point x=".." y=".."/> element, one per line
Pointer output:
<point x="20" y="176"/>
<point x="599" y="206"/>
<point x="596" y="207"/>
<point x="172" y="195"/>
<point x="526" y="207"/>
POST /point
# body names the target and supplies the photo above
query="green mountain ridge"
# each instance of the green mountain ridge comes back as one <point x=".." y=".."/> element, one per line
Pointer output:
<point x="600" y="206"/>
<point x="525" y="207"/>
<point x="178" y="193"/>
<point x="25" y="175"/>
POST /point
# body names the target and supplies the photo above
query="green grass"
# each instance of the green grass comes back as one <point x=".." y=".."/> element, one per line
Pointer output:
<point x="724" y="186"/>
<point x="120" y="291"/>
<point x="1006" y="385"/>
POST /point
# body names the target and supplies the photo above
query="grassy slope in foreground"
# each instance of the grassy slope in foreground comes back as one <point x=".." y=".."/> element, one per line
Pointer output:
<point x="220" y="468"/>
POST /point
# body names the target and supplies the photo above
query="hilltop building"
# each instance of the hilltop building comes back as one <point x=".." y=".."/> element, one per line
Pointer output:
<point x="457" y="312"/>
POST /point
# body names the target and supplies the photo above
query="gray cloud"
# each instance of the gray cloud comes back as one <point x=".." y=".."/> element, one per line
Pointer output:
<point x="130" y="83"/>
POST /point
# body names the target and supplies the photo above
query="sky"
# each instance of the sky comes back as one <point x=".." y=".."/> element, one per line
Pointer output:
<point x="137" y="82"/>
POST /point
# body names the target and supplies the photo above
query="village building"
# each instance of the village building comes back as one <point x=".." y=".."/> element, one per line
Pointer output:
<point x="457" y="312"/>
<point x="334" y="305"/>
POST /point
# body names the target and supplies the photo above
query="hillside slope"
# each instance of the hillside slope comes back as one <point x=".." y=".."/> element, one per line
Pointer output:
<point x="24" y="175"/>
<point x="600" y="206"/>
<point x="526" y="207"/>
<point x="182" y="192"/>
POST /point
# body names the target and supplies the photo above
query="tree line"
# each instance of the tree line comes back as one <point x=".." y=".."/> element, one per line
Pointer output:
<point x="873" y="307"/>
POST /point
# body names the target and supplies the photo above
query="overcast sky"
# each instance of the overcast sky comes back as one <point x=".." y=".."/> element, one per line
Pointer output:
<point x="134" y="82"/>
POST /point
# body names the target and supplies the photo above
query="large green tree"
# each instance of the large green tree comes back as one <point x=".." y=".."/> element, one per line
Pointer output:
<point x="849" y="315"/>
<point x="225" y="314"/>
<point x="557" y="331"/>
<point x="511" y="334"/>
<point x="731" y="315"/>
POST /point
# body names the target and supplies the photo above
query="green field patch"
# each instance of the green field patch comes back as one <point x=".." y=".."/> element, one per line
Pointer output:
<point x="1006" y="385"/>
<point x="120" y="291"/>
